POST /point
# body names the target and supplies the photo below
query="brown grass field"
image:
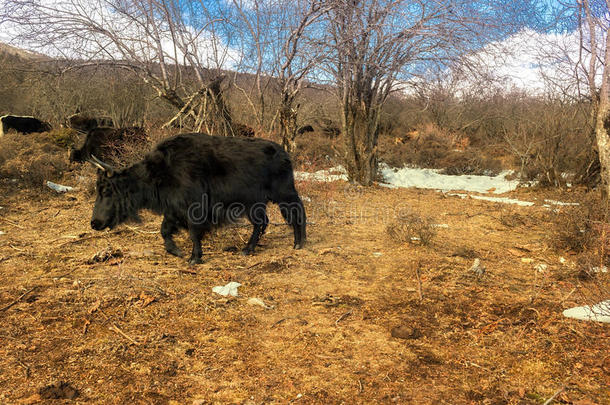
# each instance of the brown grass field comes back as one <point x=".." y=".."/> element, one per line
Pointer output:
<point x="110" y="318"/>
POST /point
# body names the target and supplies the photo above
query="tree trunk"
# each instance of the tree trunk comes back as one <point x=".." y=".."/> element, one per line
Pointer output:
<point x="360" y="130"/>
<point x="602" y="135"/>
<point x="288" y="127"/>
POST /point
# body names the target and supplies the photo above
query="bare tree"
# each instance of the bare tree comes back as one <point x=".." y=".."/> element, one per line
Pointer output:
<point x="594" y="30"/>
<point x="276" y="39"/>
<point x="378" y="44"/>
<point x="173" y="46"/>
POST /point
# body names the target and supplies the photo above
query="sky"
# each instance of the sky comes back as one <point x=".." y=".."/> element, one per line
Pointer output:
<point x="518" y="61"/>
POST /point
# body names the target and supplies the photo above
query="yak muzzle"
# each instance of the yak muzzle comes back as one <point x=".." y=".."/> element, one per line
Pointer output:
<point x="97" y="224"/>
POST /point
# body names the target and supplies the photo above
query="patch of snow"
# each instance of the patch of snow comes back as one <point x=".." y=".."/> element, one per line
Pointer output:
<point x="433" y="179"/>
<point x="333" y="174"/>
<point x="596" y="269"/>
<point x="503" y="200"/>
<point x="560" y="203"/>
<point x="2" y="233"/>
<point x="598" y="312"/>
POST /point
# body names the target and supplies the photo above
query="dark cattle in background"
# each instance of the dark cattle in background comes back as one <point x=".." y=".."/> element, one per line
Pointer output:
<point x="86" y="123"/>
<point x="197" y="182"/>
<point x="243" y="130"/>
<point x="304" y="129"/>
<point x="108" y="143"/>
<point x="25" y="125"/>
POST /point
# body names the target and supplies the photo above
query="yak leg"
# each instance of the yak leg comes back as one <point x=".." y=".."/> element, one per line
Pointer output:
<point x="293" y="212"/>
<point x="196" y="233"/>
<point x="259" y="221"/>
<point x="168" y="229"/>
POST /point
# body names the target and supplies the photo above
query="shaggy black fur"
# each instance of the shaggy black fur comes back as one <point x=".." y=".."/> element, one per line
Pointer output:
<point x="107" y="143"/>
<point x="25" y="125"/>
<point x="86" y="123"/>
<point x="197" y="182"/>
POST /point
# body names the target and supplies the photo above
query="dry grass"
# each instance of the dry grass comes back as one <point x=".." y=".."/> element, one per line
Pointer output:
<point x="34" y="158"/>
<point x="143" y="327"/>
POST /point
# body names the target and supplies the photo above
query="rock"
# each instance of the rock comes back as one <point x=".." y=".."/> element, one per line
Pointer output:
<point x="406" y="332"/>
<point x="477" y="268"/>
<point x="58" y="187"/>
<point x="228" y="289"/>
<point x="541" y="267"/>
<point x="259" y="302"/>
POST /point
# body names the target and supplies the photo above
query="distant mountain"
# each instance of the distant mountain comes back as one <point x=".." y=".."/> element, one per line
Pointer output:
<point x="22" y="53"/>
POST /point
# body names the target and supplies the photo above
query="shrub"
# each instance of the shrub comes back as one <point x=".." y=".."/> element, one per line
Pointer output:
<point x="412" y="228"/>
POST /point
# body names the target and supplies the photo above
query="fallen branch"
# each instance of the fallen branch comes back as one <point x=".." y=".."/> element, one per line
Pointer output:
<point x="345" y="315"/>
<point x="18" y="299"/>
<point x="15" y="224"/>
<point x="559" y="391"/>
<point x="94" y="236"/>
<point x="120" y="332"/>
<point x="419" y="285"/>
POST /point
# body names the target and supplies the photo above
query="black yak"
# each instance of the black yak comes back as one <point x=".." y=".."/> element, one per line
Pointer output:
<point x="86" y="123"/>
<point x="197" y="182"/>
<point x="25" y="125"/>
<point x="108" y="143"/>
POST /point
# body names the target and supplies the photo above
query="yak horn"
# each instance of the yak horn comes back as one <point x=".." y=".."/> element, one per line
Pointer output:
<point x="101" y="165"/>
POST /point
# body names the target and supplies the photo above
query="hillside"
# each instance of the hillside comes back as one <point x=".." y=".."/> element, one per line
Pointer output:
<point x="22" y="53"/>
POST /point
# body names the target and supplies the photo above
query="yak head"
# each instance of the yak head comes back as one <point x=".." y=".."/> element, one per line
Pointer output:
<point x="116" y="200"/>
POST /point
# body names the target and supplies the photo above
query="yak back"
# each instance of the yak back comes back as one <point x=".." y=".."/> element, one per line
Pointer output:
<point x="108" y="144"/>
<point x="216" y="171"/>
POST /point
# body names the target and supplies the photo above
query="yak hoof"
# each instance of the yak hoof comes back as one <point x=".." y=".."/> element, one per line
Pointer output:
<point x="195" y="260"/>
<point x="174" y="251"/>
<point x="247" y="251"/>
<point x="298" y="245"/>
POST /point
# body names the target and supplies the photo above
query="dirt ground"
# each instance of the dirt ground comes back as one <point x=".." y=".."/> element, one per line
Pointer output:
<point x="110" y="318"/>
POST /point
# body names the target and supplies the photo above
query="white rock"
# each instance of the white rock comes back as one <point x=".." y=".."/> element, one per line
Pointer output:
<point x="228" y="289"/>
<point x="259" y="302"/>
<point x="541" y="267"/>
<point x="598" y="312"/>
<point x="58" y="187"/>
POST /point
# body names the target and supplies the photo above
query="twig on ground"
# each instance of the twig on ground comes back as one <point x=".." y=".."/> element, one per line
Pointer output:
<point x="115" y="328"/>
<point x="559" y="391"/>
<point x="18" y="299"/>
<point x="567" y="296"/>
<point x="187" y="271"/>
<point x="25" y="367"/>
<point x="419" y="285"/>
<point x="94" y="236"/>
<point x="345" y="315"/>
<point x="15" y="224"/>
<point x="136" y="230"/>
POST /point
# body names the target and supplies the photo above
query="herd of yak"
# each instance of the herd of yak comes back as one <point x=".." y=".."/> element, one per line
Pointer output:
<point x="195" y="181"/>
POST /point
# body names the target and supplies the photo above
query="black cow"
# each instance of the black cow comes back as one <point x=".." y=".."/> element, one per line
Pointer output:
<point x="25" y="125"/>
<point x="304" y="129"/>
<point x="197" y="182"/>
<point x="86" y="123"/>
<point x="108" y="143"/>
